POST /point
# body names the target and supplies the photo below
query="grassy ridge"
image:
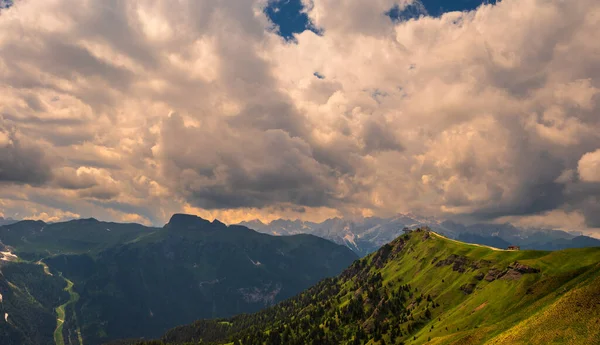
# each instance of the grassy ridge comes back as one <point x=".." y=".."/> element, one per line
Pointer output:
<point x="427" y="289"/>
<point x="34" y="240"/>
<point x="502" y="307"/>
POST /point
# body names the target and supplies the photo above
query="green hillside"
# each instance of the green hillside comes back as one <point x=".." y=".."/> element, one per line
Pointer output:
<point x="423" y="288"/>
<point x="35" y="239"/>
<point x="127" y="280"/>
<point x="28" y="297"/>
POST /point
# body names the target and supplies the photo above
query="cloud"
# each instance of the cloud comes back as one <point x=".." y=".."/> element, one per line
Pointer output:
<point x="21" y="159"/>
<point x="89" y="182"/>
<point x="589" y="167"/>
<point x="249" y="168"/>
<point x="56" y="217"/>
<point x="70" y="178"/>
<point x="137" y="109"/>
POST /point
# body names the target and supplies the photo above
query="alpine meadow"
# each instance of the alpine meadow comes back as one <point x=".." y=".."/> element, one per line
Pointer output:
<point x="299" y="172"/>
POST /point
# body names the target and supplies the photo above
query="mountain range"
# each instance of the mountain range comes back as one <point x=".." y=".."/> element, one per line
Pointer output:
<point x="424" y="288"/>
<point x="7" y="221"/>
<point x="362" y="235"/>
<point x="90" y="282"/>
<point x="87" y="281"/>
<point x="366" y="235"/>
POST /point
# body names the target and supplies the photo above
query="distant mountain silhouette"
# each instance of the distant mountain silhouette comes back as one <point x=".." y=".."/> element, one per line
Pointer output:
<point x="137" y="281"/>
<point x="7" y="221"/>
<point x="366" y="235"/>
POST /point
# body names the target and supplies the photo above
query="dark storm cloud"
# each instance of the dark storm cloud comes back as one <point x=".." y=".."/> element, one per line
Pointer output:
<point x="221" y="168"/>
<point x="379" y="137"/>
<point x="584" y="196"/>
<point x="591" y="211"/>
<point x="21" y="161"/>
<point x="110" y="22"/>
<point x="153" y="107"/>
<point x="64" y="60"/>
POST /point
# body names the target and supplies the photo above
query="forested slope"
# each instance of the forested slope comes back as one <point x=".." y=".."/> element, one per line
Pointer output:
<point x="425" y="289"/>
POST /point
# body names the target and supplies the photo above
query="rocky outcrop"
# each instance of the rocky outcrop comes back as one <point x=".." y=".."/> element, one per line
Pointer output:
<point x="388" y="252"/>
<point x="381" y="256"/>
<point x="468" y="288"/>
<point x="493" y="274"/>
<point x="514" y="271"/>
<point x="524" y="269"/>
<point x="265" y="294"/>
<point x="459" y="263"/>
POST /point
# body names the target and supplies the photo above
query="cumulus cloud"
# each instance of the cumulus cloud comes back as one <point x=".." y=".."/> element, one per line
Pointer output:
<point x="589" y="167"/>
<point x="89" y="182"/>
<point x="249" y="168"/>
<point x="152" y="107"/>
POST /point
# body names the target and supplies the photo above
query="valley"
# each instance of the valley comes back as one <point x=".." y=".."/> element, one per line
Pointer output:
<point x="426" y="289"/>
<point x="61" y="315"/>
<point x="30" y="298"/>
<point x="299" y="172"/>
<point x="137" y="281"/>
<point x="422" y="287"/>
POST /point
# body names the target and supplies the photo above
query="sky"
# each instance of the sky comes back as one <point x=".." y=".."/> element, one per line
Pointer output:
<point x="132" y="110"/>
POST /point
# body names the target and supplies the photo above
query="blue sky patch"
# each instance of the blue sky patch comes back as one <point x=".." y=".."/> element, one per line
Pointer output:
<point x="5" y="3"/>
<point x="288" y="15"/>
<point x="434" y="8"/>
<point x="411" y="11"/>
<point x="438" y="7"/>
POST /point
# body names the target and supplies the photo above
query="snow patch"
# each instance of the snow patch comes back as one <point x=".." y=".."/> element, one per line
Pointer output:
<point x="255" y="263"/>
<point x="8" y="256"/>
<point x="265" y="294"/>
<point x="350" y="238"/>
<point x="210" y="282"/>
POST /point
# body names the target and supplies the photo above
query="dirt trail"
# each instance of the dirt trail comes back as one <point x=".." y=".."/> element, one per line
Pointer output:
<point x="469" y="244"/>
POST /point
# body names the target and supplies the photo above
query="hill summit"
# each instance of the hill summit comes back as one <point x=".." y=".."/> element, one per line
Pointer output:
<point x="114" y="280"/>
<point x="423" y="288"/>
<point x="187" y="221"/>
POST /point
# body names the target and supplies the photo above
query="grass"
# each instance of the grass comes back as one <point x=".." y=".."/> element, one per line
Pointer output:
<point x="61" y="315"/>
<point x="530" y="310"/>
<point x="560" y="304"/>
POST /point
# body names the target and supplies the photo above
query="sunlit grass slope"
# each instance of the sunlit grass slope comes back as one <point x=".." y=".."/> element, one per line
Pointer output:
<point x="560" y="304"/>
<point x="423" y="288"/>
